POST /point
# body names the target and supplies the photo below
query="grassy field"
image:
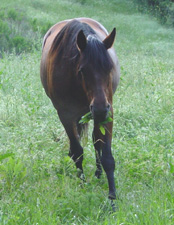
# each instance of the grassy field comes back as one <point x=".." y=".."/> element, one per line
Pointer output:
<point x="38" y="182"/>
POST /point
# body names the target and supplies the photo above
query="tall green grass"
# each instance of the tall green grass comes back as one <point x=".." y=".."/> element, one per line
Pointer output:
<point x="38" y="182"/>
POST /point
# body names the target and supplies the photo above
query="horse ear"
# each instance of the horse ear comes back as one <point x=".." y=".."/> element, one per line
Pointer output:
<point x="109" y="40"/>
<point x="81" y="41"/>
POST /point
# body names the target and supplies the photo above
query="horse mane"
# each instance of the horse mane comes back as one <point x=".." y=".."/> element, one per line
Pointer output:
<point x="64" y="49"/>
<point x="97" y="55"/>
<point x="64" y="46"/>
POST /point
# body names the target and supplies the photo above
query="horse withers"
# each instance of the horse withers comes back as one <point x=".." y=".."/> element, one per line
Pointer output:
<point x="80" y="73"/>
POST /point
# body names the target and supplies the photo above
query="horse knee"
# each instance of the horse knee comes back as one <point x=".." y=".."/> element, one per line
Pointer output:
<point x="76" y="156"/>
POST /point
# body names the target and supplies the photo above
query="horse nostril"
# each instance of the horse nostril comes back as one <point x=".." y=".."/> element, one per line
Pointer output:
<point x="91" y="108"/>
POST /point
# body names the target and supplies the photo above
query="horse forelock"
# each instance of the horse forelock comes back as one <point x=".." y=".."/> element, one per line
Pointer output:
<point x="65" y="46"/>
<point x="97" y="55"/>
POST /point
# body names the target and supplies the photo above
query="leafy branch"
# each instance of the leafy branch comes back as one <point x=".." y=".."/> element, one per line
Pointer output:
<point x="88" y="116"/>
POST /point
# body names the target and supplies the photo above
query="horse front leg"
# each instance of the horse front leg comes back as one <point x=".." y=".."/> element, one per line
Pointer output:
<point x="103" y="142"/>
<point x="76" y="150"/>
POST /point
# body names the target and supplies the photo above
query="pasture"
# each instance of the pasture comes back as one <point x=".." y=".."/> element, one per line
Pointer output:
<point x="38" y="181"/>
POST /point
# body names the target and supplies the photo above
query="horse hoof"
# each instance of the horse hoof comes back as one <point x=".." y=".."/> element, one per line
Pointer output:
<point x="114" y="208"/>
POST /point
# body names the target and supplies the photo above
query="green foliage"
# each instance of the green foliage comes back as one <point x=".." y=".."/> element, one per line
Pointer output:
<point x="88" y="116"/>
<point x="4" y="35"/>
<point x="4" y="156"/>
<point x="42" y="27"/>
<point x="162" y="9"/>
<point x="14" y="15"/>
<point x="13" y="173"/>
<point x="16" y="33"/>
<point x="102" y="124"/>
<point x="21" y="44"/>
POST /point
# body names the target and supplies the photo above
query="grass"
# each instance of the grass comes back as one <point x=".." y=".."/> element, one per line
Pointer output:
<point x="38" y="182"/>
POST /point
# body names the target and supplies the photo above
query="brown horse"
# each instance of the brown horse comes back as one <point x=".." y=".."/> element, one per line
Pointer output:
<point x="80" y="73"/>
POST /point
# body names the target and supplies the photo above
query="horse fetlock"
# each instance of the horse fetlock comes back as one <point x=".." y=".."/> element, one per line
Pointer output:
<point x="112" y="195"/>
<point x="81" y="175"/>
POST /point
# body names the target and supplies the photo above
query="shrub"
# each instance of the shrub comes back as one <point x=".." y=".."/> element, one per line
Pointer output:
<point x="42" y="27"/>
<point x="161" y="9"/>
<point x="13" y="14"/>
<point x="21" y="44"/>
<point x="4" y="36"/>
<point x="16" y="32"/>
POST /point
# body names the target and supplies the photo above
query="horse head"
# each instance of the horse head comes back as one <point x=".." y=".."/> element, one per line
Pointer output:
<point x="94" y="71"/>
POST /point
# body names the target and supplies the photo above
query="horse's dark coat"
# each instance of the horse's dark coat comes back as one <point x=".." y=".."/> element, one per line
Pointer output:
<point x="80" y="72"/>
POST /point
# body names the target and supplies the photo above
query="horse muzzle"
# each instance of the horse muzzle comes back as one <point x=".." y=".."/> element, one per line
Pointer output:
<point x="100" y="113"/>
